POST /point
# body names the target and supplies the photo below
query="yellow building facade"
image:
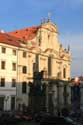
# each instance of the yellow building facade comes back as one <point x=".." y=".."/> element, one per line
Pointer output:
<point x="39" y="50"/>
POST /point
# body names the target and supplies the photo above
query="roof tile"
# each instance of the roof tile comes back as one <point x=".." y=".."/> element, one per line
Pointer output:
<point x="8" y="39"/>
<point x="27" y="33"/>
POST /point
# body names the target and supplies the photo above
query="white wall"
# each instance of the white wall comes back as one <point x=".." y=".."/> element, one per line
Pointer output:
<point x="7" y="91"/>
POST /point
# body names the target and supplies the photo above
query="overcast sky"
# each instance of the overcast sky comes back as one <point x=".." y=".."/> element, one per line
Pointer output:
<point x="67" y="14"/>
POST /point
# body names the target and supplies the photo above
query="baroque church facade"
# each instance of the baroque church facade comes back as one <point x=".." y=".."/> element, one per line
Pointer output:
<point x="35" y="49"/>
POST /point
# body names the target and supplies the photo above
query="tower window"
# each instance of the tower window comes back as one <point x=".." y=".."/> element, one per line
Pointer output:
<point x="64" y="72"/>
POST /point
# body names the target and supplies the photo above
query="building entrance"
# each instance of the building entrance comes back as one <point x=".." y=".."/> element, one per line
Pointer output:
<point x="1" y="103"/>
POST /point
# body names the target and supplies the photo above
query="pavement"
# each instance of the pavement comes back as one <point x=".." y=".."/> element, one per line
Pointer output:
<point x="78" y="119"/>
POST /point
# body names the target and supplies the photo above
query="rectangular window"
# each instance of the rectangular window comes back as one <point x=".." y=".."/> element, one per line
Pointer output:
<point x="24" y="54"/>
<point x="37" y="62"/>
<point x="3" y="50"/>
<point x="13" y="82"/>
<point x="24" y="86"/>
<point x="2" y="64"/>
<point x="14" y="52"/>
<point x="2" y="82"/>
<point x="14" y="66"/>
<point x="12" y="103"/>
<point x="24" y="69"/>
<point x="49" y="66"/>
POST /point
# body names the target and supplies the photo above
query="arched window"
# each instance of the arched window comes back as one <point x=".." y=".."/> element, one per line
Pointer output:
<point x="49" y="66"/>
<point x="64" y="72"/>
<point x="59" y="75"/>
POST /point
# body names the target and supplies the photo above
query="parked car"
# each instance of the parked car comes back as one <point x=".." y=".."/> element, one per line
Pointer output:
<point x="24" y="116"/>
<point x="27" y="117"/>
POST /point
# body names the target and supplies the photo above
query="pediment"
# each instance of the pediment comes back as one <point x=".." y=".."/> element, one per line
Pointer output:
<point x="50" y="26"/>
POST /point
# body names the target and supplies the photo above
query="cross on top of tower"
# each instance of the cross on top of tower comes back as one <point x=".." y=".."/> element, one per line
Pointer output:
<point x="49" y="16"/>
